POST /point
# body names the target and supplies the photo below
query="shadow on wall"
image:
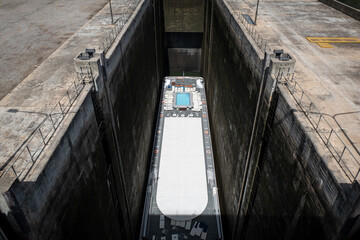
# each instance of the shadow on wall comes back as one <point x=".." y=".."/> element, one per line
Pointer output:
<point x="204" y="226"/>
<point x="295" y="195"/>
<point x="183" y="24"/>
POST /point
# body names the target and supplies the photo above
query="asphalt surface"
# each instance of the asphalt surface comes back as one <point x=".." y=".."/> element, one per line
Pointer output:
<point x="31" y="30"/>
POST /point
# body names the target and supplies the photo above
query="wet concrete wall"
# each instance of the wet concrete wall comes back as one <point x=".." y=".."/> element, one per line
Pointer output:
<point x="232" y="89"/>
<point x="290" y="193"/>
<point x="345" y="8"/>
<point x="90" y="181"/>
<point x="134" y="74"/>
<point x="183" y="26"/>
<point x="65" y="195"/>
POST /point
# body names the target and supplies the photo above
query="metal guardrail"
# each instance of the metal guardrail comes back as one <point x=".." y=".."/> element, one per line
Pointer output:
<point x="262" y="43"/>
<point x="338" y="149"/>
<point x="110" y="37"/>
<point x="40" y="138"/>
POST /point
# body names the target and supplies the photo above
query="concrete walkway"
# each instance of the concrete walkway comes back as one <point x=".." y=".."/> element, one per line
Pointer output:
<point x="330" y="76"/>
<point x="26" y="106"/>
<point x="33" y="29"/>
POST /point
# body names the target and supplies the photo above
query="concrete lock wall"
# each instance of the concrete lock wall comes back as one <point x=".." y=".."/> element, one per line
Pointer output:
<point x="134" y="75"/>
<point x="290" y="192"/>
<point x="90" y="181"/>
<point x="351" y="11"/>
<point x="68" y="196"/>
<point x="231" y="93"/>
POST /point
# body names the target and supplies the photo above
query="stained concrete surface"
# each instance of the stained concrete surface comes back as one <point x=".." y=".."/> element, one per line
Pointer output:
<point x="33" y="29"/>
<point x="183" y="16"/>
<point x="295" y="194"/>
<point x="23" y="109"/>
<point x="82" y="146"/>
<point x="330" y="76"/>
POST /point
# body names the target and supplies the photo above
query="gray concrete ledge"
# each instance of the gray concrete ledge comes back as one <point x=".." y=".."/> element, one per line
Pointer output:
<point x="348" y="10"/>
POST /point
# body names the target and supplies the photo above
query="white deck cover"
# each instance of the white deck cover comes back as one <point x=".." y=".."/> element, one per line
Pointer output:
<point x="182" y="190"/>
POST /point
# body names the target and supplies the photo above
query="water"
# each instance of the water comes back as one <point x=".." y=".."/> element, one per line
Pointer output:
<point x="183" y="99"/>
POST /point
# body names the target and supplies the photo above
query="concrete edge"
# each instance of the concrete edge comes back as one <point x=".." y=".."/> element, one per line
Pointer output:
<point x="52" y="147"/>
<point x="332" y="171"/>
<point x="242" y="33"/>
<point x="65" y="131"/>
<point x="56" y="52"/>
<point x="255" y="52"/>
<point x="114" y="53"/>
<point x="348" y="10"/>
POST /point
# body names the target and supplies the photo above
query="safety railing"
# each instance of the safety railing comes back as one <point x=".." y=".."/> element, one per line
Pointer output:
<point x="338" y="149"/>
<point x="262" y="43"/>
<point x="347" y="161"/>
<point x="110" y="37"/>
<point x="40" y="138"/>
<point x="36" y="143"/>
<point x="119" y="24"/>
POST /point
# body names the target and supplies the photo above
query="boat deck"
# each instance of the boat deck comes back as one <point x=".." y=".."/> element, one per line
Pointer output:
<point x="182" y="199"/>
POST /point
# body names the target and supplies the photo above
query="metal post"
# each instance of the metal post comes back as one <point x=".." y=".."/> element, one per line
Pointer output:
<point x="52" y="122"/>
<point x="42" y="136"/>
<point x="31" y="156"/>
<point x="317" y="125"/>
<point x="310" y="106"/>
<point x="91" y="73"/>
<point x="342" y="153"/>
<point x="75" y="88"/>
<point x="357" y="174"/>
<point x="327" y="142"/>
<point x="244" y="182"/>
<point x="67" y="92"/>
<point x="18" y="176"/>
<point x="256" y="13"/>
<point x="111" y="13"/>
<point x="61" y="109"/>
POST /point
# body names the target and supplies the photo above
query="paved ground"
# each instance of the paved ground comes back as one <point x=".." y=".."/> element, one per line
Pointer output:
<point x="25" y="107"/>
<point x="33" y="29"/>
<point x="331" y="76"/>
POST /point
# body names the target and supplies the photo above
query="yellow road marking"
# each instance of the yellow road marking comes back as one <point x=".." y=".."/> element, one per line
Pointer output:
<point x="324" y="45"/>
<point x="333" y="40"/>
